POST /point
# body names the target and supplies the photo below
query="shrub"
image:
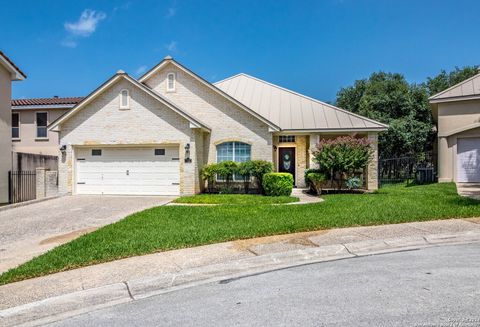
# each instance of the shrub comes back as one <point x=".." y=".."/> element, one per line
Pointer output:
<point x="317" y="180"/>
<point x="343" y="156"/>
<point x="208" y="174"/>
<point x="245" y="169"/>
<point x="353" y="183"/>
<point x="259" y="169"/>
<point x="225" y="170"/>
<point x="308" y="183"/>
<point x="278" y="184"/>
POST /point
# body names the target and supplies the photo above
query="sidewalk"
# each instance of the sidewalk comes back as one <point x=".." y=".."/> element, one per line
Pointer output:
<point x="67" y="293"/>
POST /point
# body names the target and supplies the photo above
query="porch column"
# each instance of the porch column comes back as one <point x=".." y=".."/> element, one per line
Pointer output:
<point x="372" y="169"/>
<point x="314" y="139"/>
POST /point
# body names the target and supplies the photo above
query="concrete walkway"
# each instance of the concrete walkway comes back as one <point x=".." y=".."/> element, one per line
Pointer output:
<point x="471" y="190"/>
<point x="31" y="230"/>
<point x="68" y="293"/>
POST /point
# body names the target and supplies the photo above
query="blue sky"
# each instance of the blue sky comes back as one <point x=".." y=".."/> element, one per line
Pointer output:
<point x="68" y="48"/>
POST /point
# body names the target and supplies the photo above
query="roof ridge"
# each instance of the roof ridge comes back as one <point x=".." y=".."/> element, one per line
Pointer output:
<point x="310" y="98"/>
<point x="454" y="86"/>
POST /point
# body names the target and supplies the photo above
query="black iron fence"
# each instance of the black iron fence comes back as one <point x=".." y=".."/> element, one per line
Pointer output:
<point x="21" y="186"/>
<point x="421" y="169"/>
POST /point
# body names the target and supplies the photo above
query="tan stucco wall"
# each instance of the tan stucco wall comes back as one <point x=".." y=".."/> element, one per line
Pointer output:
<point x="453" y="116"/>
<point x="227" y="121"/>
<point x="5" y="132"/>
<point x="146" y="123"/>
<point x="28" y="141"/>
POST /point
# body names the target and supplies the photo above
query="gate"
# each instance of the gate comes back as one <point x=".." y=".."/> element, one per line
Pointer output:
<point x="21" y="186"/>
<point x="407" y="169"/>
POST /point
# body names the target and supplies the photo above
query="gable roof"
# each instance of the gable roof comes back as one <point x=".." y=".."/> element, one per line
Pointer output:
<point x="45" y="103"/>
<point x="17" y="74"/>
<point x="119" y="75"/>
<point x="293" y="111"/>
<point x="468" y="89"/>
<point x="170" y="60"/>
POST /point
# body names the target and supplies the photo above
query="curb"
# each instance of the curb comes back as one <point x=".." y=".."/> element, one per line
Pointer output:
<point x="72" y="304"/>
<point x="26" y="203"/>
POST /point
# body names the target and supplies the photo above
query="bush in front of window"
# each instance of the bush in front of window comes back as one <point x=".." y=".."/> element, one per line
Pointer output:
<point x="278" y="184"/>
<point x="209" y="174"/>
<point x="226" y="170"/>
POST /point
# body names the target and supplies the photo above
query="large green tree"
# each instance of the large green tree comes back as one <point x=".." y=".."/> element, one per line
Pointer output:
<point x="390" y="99"/>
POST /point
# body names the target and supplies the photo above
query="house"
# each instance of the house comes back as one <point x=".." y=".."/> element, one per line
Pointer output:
<point x="30" y="118"/>
<point x="8" y="72"/>
<point x="153" y="135"/>
<point x="457" y="113"/>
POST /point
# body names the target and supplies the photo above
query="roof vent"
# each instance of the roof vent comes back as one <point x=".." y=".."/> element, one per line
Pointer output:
<point x="55" y="96"/>
<point x="168" y="58"/>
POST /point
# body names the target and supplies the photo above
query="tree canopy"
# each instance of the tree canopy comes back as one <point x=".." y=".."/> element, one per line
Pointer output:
<point x="391" y="99"/>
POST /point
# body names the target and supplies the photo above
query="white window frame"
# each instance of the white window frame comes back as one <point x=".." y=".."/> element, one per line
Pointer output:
<point x="18" y="115"/>
<point x="127" y="106"/>
<point x="173" y="88"/>
<point x="36" y="125"/>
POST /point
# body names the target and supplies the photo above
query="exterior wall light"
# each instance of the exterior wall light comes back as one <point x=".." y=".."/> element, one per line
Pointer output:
<point x="187" y="153"/>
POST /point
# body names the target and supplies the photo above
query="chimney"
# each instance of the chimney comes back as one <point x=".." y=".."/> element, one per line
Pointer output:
<point x="55" y="96"/>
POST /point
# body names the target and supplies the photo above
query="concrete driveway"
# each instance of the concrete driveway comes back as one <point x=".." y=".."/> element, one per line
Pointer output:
<point x="33" y="229"/>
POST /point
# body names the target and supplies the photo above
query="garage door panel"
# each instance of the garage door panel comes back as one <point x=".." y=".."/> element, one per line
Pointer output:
<point x="128" y="171"/>
<point x="468" y="160"/>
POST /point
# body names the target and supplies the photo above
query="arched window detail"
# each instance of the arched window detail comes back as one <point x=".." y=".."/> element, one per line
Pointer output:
<point x="170" y="82"/>
<point x="124" y="99"/>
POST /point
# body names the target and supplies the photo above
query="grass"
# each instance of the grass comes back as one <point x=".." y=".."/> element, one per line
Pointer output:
<point x="172" y="227"/>
<point x="249" y="199"/>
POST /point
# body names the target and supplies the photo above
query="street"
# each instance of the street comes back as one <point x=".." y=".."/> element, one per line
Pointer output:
<point x="437" y="286"/>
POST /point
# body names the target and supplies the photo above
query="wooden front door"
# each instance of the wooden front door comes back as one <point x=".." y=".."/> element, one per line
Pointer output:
<point x="286" y="161"/>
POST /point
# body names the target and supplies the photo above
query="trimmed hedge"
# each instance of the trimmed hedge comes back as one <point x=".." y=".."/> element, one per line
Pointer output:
<point x="278" y="184"/>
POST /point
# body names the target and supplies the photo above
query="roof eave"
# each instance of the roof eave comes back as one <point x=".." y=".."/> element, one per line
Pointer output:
<point x="16" y="74"/>
<point x="336" y="130"/>
<point x="453" y="99"/>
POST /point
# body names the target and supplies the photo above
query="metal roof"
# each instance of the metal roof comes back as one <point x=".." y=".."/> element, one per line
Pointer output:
<point x="468" y="88"/>
<point x="291" y="110"/>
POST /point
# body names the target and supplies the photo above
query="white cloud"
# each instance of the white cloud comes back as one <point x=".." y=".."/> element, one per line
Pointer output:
<point x="86" y="24"/>
<point x="69" y="43"/>
<point x="140" y="70"/>
<point x="124" y="6"/>
<point x="172" y="46"/>
<point x="172" y="10"/>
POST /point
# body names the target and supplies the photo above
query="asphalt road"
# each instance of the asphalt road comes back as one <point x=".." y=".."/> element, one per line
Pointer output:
<point x="437" y="286"/>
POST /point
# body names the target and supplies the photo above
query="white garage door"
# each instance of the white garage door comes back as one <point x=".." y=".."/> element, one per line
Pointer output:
<point x="128" y="171"/>
<point x="468" y="160"/>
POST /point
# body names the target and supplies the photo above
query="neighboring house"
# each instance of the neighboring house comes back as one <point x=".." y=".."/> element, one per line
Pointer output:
<point x="457" y="113"/>
<point x="30" y="118"/>
<point x="8" y="72"/>
<point x="153" y="135"/>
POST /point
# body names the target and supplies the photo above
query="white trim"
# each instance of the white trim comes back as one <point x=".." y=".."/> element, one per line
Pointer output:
<point x="19" y="134"/>
<point x="173" y="89"/>
<point x="14" y="72"/>
<point x="121" y="106"/>
<point x="209" y="85"/>
<point x="286" y="145"/>
<point x="455" y="98"/>
<point x="36" y="126"/>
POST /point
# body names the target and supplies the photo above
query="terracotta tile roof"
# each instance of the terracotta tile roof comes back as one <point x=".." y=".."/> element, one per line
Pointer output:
<point x="46" y="101"/>
<point x="11" y="63"/>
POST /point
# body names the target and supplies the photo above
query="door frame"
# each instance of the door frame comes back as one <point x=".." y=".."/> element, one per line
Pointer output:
<point x="296" y="155"/>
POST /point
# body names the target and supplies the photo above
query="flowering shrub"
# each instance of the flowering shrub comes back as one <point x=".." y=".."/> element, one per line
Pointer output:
<point x="342" y="156"/>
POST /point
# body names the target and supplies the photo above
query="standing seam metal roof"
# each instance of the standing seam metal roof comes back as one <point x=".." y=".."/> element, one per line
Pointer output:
<point x="291" y="110"/>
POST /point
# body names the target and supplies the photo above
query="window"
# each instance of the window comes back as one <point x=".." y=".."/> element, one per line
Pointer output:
<point x="96" y="152"/>
<point x="15" y="125"/>
<point x="286" y="139"/>
<point x="159" y="152"/>
<point x="234" y="151"/>
<point x="171" y="82"/>
<point x="42" y="119"/>
<point x="124" y="100"/>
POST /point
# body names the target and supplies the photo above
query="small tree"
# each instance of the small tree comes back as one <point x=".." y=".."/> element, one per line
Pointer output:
<point x="259" y="169"/>
<point x="209" y="174"/>
<point x="342" y="156"/>
<point x="226" y="170"/>
<point x="245" y="169"/>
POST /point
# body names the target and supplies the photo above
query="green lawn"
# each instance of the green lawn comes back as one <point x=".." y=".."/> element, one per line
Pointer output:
<point x="172" y="227"/>
<point x="235" y="199"/>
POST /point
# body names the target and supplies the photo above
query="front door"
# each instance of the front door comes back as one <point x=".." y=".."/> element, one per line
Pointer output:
<point x="286" y="161"/>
